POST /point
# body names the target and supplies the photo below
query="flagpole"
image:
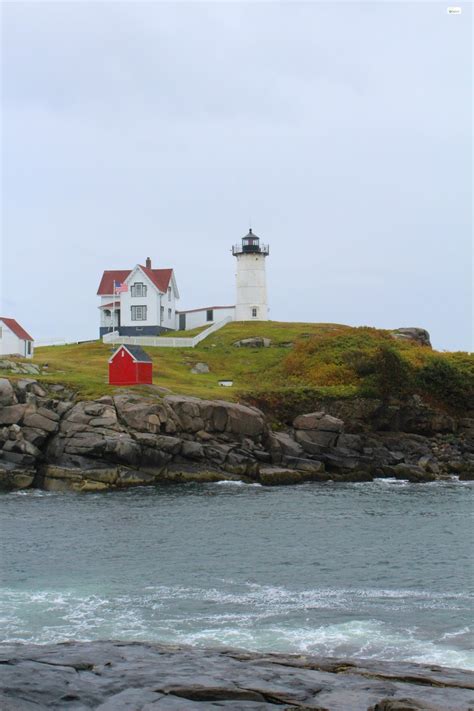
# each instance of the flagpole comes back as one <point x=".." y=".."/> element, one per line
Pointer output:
<point x="112" y="321"/>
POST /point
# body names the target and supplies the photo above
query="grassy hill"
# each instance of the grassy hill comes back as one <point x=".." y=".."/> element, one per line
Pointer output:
<point x="304" y="360"/>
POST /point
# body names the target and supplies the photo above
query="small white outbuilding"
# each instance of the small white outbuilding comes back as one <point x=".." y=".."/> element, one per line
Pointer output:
<point x="14" y="340"/>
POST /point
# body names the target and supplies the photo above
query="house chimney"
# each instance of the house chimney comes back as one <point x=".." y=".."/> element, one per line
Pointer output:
<point x="148" y="263"/>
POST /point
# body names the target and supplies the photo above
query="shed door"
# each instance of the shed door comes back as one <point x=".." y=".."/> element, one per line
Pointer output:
<point x="182" y="322"/>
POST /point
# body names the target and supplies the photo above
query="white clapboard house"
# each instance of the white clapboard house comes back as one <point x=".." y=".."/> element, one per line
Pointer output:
<point x="143" y="301"/>
<point x="14" y="340"/>
<point x="139" y="301"/>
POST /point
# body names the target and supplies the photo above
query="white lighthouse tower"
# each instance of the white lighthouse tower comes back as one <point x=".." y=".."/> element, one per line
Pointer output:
<point x="251" y="302"/>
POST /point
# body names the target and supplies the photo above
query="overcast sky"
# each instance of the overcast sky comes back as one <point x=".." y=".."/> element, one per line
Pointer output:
<point x="341" y="130"/>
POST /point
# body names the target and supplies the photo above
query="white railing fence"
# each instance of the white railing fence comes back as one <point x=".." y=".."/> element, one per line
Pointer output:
<point x="164" y="341"/>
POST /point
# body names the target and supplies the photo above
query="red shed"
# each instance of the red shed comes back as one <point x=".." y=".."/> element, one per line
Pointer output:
<point x="130" y="365"/>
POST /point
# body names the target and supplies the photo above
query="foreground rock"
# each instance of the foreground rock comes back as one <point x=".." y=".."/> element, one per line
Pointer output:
<point x="51" y="441"/>
<point x="115" y="676"/>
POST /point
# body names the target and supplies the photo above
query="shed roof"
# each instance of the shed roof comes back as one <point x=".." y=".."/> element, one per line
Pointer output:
<point x="137" y="353"/>
<point x="16" y="328"/>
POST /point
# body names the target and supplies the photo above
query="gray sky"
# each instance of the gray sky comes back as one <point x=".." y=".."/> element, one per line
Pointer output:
<point x="343" y="130"/>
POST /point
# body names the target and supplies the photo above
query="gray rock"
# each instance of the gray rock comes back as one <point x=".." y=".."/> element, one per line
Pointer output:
<point x="192" y="450"/>
<point x="429" y="464"/>
<point x="50" y="414"/>
<point x="7" y="393"/>
<point x="200" y="369"/>
<point x="277" y="476"/>
<point x="315" y="441"/>
<point x="410" y="472"/>
<point x="41" y="422"/>
<point x="318" y="421"/>
<point x="418" y="335"/>
<point x="120" y="676"/>
<point x="286" y="444"/>
<point x="13" y="477"/>
<point x="305" y="465"/>
<point x="11" y="414"/>
<point x="256" y="342"/>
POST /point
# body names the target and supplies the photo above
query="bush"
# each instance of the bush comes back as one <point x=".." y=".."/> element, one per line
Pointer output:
<point x="445" y="381"/>
<point x="282" y="405"/>
<point x="392" y="375"/>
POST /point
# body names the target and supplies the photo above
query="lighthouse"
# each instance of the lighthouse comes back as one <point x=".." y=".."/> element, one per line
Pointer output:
<point x="251" y="300"/>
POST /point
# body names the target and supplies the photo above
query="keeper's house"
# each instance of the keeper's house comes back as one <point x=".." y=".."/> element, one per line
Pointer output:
<point x="130" y="365"/>
<point x="14" y="340"/>
<point x="139" y="301"/>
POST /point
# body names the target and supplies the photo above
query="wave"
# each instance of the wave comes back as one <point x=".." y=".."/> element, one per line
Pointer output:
<point x="236" y="482"/>
<point x="265" y="618"/>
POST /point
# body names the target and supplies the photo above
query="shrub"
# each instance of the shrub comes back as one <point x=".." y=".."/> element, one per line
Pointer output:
<point x="392" y="375"/>
<point x="445" y="381"/>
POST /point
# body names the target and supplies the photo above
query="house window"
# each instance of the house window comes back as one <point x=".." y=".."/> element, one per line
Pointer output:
<point x="106" y="313"/>
<point x="138" y="289"/>
<point x="169" y="313"/>
<point x="254" y="312"/>
<point x="29" y="348"/>
<point x="138" y="313"/>
<point x="0" y="331"/>
<point x="169" y="293"/>
<point x="162" y="312"/>
<point x="209" y="315"/>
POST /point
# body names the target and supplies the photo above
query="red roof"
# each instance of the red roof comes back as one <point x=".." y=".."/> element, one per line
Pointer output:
<point x="159" y="277"/>
<point x="17" y="329"/>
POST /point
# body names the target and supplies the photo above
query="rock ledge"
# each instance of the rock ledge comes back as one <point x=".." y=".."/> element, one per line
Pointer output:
<point x="120" y="676"/>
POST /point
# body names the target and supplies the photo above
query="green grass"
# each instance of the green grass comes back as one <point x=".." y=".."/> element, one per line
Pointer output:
<point x="326" y="360"/>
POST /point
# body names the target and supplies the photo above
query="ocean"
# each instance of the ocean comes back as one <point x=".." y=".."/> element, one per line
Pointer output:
<point x="379" y="570"/>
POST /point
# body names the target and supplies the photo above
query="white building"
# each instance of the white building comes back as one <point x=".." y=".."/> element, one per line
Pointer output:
<point x="142" y="301"/>
<point x="139" y="301"/>
<point x="14" y="340"/>
<point x="194" y="318"/>
<point x="251" y="282"/>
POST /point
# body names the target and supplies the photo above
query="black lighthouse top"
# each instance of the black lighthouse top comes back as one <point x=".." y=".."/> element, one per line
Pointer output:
<point x="250" y="245"/>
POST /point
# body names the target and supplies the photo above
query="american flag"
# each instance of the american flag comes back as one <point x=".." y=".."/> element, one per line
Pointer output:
<point x="120" y="287"/>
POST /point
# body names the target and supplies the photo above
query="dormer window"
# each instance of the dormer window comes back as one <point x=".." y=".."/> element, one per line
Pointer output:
<point x="138" y="289"/>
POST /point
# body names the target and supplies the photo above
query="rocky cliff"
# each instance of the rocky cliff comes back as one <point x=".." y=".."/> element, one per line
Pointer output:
<point x="48" y="439"/>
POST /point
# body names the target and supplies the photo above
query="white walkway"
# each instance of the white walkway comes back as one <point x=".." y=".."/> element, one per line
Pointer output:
<point x="164" y="341"/>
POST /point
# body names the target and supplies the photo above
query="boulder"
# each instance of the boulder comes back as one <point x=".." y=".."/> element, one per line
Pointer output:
<point x="305" y="465"/>
<point x="410" y="472"/>
<point x="418" y="335"/>
<point x="13" y="477"/>
<point x="41" y="422"/>
<point x="11" y="414"/>
<point x="200" y="369"/>
<point x="145" y="414"/>
<point x="318" y="421"/>
<point x="243" y="420"/>
<point x="192" y="450"/>
<point x="315" y="441"/>
<point x="7" y="393"/>
<point x="285" y="444"/>
<point x="429" y="464"/>
<point x="256" y="342"/>
<point x="186" y="412"/>
<point x="277" y="476"/>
